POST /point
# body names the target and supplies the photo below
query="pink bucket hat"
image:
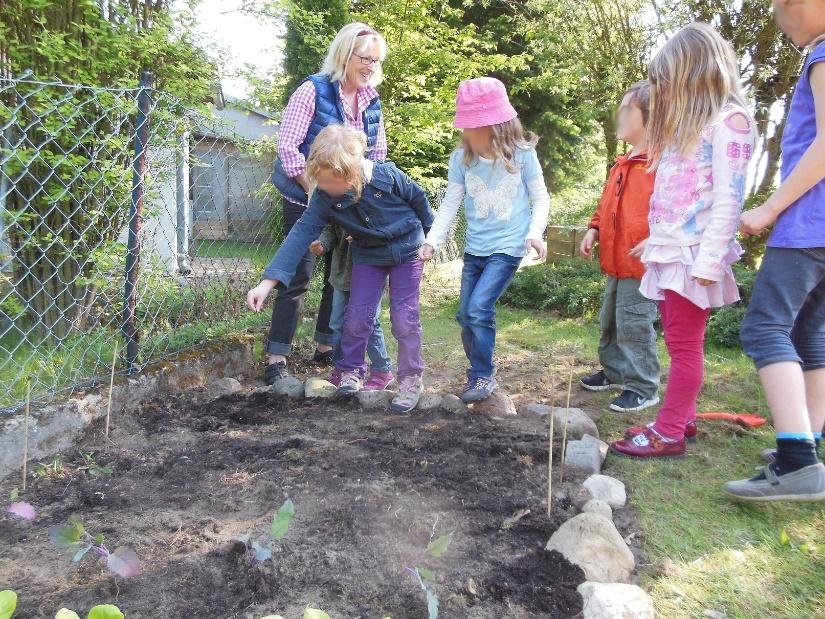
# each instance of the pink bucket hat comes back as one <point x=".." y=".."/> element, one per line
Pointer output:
<point x="482" y="102"/>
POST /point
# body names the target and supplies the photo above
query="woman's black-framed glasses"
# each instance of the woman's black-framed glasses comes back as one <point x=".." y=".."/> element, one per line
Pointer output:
<point x="367" y="60"/>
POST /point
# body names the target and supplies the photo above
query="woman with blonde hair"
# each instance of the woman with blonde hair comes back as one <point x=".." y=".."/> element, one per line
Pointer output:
<point x="387" y="215"/>
<point x="342" y="93"/>
<point x="701" y="138"/>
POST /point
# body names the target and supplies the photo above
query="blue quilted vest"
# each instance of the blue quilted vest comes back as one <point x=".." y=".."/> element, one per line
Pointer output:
<point x="328" y="111"/>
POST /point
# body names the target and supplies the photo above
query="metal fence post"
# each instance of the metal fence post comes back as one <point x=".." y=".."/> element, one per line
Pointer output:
<point x="139" y="167"/>
<point x="182" y="198"/>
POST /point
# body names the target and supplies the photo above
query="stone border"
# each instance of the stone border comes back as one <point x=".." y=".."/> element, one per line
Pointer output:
<point x="54" y="427"/>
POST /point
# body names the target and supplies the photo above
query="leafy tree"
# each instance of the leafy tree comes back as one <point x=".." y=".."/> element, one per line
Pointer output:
<point x="71" y="171"/>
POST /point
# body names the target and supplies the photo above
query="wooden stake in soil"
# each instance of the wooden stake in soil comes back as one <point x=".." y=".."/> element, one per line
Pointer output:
<point x="550" y="446"/>
<point x="566" y="419"/>
<point x="26" y="431"/>
<point x="111" y="385"/>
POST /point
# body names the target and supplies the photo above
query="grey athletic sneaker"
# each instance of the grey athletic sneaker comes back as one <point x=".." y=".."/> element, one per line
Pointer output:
<point x="409" y="391"/>
<point x="598" y="382"/>
<point x="350" y="384"/>
<point x="805" y="484"/>
<point x="478" y="389"/>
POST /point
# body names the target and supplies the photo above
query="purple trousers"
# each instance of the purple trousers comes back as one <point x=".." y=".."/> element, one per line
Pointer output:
<point x="367" y="286"/>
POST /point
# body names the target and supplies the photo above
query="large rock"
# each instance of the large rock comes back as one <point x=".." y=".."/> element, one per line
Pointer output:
<point x="319" y="388"/>
<point x="583" y="456"/>
<point x="375" y="400"/>
<point x="615" y="601"/>
<point x="578" y="423"/>
<point x="225" y="386"/>
<point x="453" y="404"/>
<point x="497" y="405"/>
<point x="599" y="444"/>
<point x="606" y="488"/>
<point x="290" y="386"/>
<point x="597" y="506"/>
<point x="592" y="542"/>
<point x="429" y="401"/>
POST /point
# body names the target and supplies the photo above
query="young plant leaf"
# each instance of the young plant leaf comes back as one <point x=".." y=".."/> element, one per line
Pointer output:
<point x="65" y="613"/>
<point x="8" y="602"/>
<point x="99" y="539"/>
<point x="426" y="574"/>
<point x="81" y="553"/>
<point x="262" y="553"/>
<point x="784" y="538"/>
<point x="123" y="562"/>
<point x="314" y="613"/>
<point x="66" y="536"/>
<point x="14" y="494"/>
<point x="21" y="509"/>
<point x="105" y="611"/>
<point x="439" y="545"/>
<point x="281" y="520"/>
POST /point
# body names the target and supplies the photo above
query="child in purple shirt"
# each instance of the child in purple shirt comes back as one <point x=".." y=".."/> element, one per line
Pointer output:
<point x="784" y="329"/>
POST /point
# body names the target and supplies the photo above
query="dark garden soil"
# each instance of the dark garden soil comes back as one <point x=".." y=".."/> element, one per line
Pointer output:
<point x="370" y="489"/>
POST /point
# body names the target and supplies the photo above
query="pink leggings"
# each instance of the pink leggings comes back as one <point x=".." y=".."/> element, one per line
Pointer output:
<point x="684" y="326"/>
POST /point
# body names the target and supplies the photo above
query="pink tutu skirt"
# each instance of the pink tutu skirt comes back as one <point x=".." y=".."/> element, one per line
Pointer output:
<point x="668" y="268"/>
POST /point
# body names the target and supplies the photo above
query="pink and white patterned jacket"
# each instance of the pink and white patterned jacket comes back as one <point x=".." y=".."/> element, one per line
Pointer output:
<point x="697" y="198"/>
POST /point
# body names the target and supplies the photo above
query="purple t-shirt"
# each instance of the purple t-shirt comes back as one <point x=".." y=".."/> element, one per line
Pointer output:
<point x="802" y="224"/>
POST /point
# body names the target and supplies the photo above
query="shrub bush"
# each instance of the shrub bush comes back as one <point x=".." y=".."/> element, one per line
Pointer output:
<point x="574" y="288"/>
<point x="568" y="286"/>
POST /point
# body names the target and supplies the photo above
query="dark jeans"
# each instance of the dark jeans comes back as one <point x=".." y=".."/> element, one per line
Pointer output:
<point x="286" y="312"/>
<point x="483" y="280"/>
<point x="786" y="313"/>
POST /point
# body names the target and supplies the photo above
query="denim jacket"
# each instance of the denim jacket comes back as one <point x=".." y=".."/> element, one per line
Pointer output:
<point x="387" y="224"/>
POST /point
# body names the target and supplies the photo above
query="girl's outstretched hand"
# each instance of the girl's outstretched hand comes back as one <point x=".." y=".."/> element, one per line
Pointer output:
<point x="426" y="252"/>
<point x="754" y="221"/>
<point x="255" y="298"/>
<point x="541" y="250"/>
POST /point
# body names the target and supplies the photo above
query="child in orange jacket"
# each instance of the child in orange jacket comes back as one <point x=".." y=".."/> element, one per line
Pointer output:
<point x="627" y="349"/>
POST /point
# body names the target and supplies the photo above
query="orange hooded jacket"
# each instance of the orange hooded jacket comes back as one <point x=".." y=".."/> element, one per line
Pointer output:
<point x="621" y="217"/>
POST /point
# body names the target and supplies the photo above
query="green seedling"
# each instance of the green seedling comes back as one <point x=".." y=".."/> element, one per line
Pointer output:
<point x="8" y="603"/>
<point x="94" y="469"/>
<point x="425" y="577"/>
<point x="20" y="509"/>
<point x="101" y="611"/>
<point x="123" y="561"/>
<point x="49" y="469"/>
<point x="260" y="548"/>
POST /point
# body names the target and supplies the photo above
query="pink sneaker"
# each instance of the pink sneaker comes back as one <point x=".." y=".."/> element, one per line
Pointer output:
<point x="377" y="381"/>
<point x="335" y="377"/>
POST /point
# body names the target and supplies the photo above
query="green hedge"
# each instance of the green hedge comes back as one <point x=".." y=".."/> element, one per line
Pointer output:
<point x="573" y="288"/>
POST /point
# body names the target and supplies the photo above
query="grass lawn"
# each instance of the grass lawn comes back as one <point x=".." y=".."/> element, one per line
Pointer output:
<point x="257" y="253"/>
<point x="704" y="552"/>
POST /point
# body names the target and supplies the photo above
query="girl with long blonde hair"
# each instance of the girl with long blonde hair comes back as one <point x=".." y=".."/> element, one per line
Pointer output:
<point x="506" y="206"/>
<point x="701" y="139"/>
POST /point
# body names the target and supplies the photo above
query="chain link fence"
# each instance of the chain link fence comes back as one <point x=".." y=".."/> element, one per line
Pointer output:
<point x="130" y="225"/>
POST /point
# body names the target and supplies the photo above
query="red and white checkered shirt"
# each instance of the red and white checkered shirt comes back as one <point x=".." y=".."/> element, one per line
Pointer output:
<point x="297" y="118"/>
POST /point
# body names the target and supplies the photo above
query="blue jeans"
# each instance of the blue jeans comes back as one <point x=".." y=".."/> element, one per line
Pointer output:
<point x="376" y="347"/>
<point x="786" y="313"/>
<point x="483" y="280"/>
